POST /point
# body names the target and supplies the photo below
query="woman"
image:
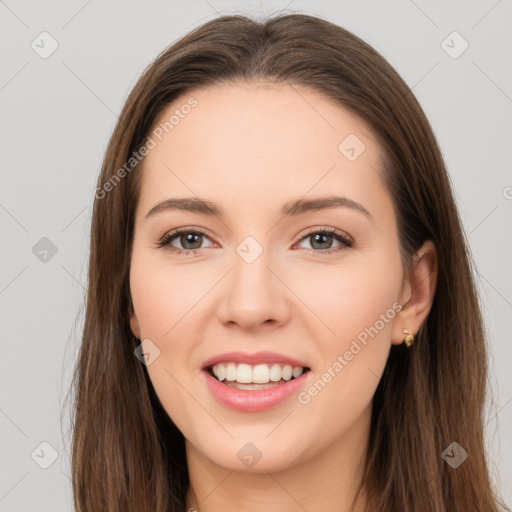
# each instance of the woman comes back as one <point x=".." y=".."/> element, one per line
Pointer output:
<point x="281" y="312"/>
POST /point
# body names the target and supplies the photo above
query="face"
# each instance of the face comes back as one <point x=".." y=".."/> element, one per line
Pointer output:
<point x="313" y="288"/>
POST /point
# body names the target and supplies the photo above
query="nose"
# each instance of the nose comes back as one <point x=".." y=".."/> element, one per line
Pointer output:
<point x="254" y="293"/>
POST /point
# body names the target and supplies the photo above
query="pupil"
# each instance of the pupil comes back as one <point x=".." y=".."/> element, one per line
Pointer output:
<point x="322" y="237"/>
<point x="318" y="240"/>
<point x="189" y="237"/>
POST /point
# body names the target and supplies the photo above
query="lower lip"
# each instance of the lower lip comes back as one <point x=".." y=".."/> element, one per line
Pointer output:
<point x="254" y="400"/>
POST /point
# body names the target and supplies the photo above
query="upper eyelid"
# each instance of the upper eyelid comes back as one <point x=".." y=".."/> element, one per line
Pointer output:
<point x="328" y="230"/>
<point x="179" y="231"/>
<point x="301" y="236"/>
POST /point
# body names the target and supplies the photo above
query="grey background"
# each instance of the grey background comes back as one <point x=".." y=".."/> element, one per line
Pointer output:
<point x="56" y="117"/>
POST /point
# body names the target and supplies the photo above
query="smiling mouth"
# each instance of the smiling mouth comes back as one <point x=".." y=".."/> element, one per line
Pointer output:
<point x="255" y="377"/>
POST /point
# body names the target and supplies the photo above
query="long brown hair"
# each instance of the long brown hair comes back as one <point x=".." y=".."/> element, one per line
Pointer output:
<point x="126" y="452"/>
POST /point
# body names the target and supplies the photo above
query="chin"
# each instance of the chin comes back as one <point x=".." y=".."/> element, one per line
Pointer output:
<point x="256" y="456"/>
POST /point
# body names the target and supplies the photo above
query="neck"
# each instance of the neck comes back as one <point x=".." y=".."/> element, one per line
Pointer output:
<point x="326" y="481"/>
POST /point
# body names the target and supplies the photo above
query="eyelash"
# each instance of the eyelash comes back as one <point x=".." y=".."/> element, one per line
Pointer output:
<point x="169" y="237"/>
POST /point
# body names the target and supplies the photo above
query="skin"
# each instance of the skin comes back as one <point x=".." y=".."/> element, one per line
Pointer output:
<point x="250" y="148"/>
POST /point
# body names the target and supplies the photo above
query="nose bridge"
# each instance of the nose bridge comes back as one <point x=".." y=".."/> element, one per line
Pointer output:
<point x="254" y="294"/>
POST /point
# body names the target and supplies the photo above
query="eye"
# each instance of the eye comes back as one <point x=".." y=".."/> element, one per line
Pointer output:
<point x="322" y="240"/>
<point x="191" y="240"/>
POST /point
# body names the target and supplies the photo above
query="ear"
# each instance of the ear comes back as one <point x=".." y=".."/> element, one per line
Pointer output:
<point x="418" y="293"/>
<point x="134" y="322"/>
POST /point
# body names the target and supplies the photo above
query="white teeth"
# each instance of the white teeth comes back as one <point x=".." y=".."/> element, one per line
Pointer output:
<point x="244" y="374"/>
<point x="287" y="372"/>
<point x="275" y="372"/>
<point x="221" y="372"/>
<point x="297" y="371"/>
<point x="231" y="371"/>
<point x="258" y="374"/>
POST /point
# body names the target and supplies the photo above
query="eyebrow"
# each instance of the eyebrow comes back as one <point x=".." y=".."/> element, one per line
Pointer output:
<point x="291" y="208"/>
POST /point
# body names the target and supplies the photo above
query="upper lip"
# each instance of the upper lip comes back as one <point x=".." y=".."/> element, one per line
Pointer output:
<point x="253" y="359"/>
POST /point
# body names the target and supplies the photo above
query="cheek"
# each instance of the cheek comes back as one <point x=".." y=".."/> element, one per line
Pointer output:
<point x="161" y="300"/>
<point x="358" y="304"/>
<point x="161" y="296"/>
<point x="348" y="299"/>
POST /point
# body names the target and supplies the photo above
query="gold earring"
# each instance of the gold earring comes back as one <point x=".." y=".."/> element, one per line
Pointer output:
<point x="409" y="339"/>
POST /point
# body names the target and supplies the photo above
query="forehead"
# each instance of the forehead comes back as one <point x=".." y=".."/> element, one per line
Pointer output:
<point x="259" y="119"/>
<point x="241" y="140"/>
